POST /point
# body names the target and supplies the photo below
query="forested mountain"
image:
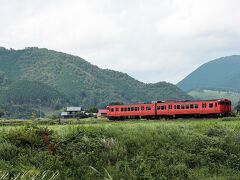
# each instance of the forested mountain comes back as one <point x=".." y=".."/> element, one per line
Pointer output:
<point x="222" y="73"/>
<point x="58" y="78"/>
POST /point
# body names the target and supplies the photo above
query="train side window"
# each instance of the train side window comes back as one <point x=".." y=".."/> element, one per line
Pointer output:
<point x="196" y="106"/>
<point x="132" y="108"/>
<point x="175" y="106"/>
<point x="122" y="109"/>
<point x="148" y="108"/>
<point x="135" y="108"/>
<point x="129" y="109"/>
<point x="187" y="106"/>
<point x="204" y="105"/>
<point x="191" y="106"/>
<point x="112" y="109"/>
<point x="162" y="107"/>
<point x="182" y="106"/>
<point x="210" y="105"/>
<point x="158" y="107"/>
<point x="142" y="108"/>
<point x="116" y="109"/>
<point x="125" y="109"/>
<point x="169" y="106"/>
<point x="178" y="106"/>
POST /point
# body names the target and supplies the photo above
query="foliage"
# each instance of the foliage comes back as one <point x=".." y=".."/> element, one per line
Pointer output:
<point x="238" y="107"/>
<point x="92" y="110"/>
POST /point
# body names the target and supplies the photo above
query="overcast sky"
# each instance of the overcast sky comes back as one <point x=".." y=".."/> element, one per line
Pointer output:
<point x="151" y="40"/>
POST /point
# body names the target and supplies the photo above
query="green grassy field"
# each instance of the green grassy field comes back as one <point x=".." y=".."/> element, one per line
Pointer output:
<point x="101" y="149"/>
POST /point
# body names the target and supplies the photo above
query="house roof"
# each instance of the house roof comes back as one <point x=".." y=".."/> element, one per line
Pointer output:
<point x="74" y="108"/>
<point x="102" y="111"/>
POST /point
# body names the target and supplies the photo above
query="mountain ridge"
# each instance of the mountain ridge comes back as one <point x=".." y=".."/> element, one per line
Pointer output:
<point x="76" y="80"/>
<point x="222" y="73"/>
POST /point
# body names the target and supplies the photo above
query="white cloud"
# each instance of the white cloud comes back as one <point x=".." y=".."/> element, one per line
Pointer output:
<point x="150" y="40"/>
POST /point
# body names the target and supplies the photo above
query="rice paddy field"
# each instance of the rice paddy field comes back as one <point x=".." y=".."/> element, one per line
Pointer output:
<point x="137" y="149"/>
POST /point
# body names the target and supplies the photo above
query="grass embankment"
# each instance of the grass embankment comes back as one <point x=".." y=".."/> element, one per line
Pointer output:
<point x="182" y="149"/>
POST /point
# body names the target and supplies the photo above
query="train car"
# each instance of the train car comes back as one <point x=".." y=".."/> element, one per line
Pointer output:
<point x="131" y="111"/>
<point x="171" y="109"/>
<point x="180" y="109"/>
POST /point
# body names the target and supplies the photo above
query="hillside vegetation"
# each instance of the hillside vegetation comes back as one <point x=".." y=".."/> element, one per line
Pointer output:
<point x="222" y="73"/>
<point x="181" y="149"/>
<point x="57" y="79"/>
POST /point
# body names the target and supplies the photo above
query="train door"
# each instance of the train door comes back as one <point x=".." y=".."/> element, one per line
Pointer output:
<point x="170" y="107"/>
<point x="204" y="106"/>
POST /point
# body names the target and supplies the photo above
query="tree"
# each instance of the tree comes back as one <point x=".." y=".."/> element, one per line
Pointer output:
<point x="238" y="107"/>
<point x="33" y="117"/>
<point x="2" y="112"/>
<point x="92" y="110"/>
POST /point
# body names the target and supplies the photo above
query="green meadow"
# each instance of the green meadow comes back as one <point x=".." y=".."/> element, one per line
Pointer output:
<point x="137" y="149"/>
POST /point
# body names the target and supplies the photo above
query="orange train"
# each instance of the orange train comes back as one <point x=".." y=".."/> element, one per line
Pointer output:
<point x="171" y="110"/>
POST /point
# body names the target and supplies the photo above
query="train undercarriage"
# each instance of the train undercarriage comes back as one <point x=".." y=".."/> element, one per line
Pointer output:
<point x="169" y="117"/>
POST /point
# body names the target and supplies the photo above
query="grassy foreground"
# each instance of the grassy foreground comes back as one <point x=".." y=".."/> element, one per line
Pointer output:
<point x="99" y="149"/>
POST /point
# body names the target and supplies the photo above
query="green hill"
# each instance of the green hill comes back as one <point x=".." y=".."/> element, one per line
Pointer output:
<point x="33" y="73"/>
<point x="222" y="73"/>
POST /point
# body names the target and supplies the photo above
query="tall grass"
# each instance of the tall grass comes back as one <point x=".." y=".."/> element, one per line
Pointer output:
<point x="182" y="149"/>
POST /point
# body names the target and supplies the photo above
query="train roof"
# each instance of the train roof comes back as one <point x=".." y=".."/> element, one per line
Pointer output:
<point x="168" y="101"/>
<point x="190" y="100"/>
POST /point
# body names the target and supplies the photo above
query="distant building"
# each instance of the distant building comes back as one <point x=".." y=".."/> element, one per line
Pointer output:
<point x="102" y="113"/>
<point x="71" y="112"/>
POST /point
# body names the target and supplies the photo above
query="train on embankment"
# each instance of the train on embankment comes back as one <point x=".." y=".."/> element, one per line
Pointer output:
<point x="171" y="110"/>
